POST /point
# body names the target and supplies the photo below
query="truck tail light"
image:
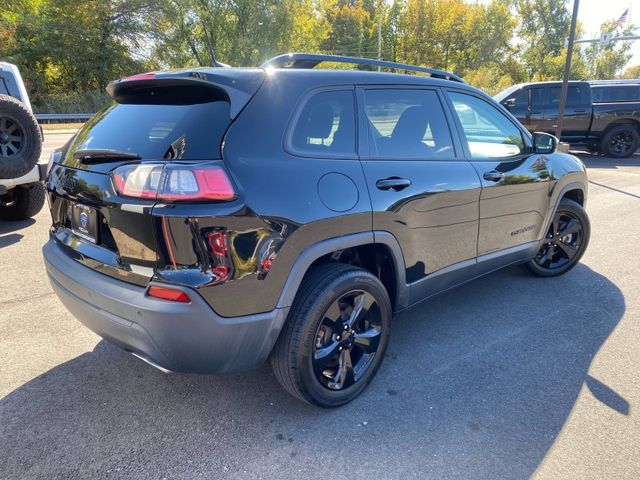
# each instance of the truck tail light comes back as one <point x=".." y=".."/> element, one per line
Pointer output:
<point x="174" y="183"/>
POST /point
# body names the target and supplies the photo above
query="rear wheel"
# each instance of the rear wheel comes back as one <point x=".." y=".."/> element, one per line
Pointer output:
<point x="20" y="139"/>
<point x="22" y="202"/>
<point x="565" y="242"/>
<point x="335" y="337"/>
<point x="621" y="141"/>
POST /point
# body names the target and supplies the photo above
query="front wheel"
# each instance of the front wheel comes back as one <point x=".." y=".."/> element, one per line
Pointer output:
<point x="335" y="337"/>
<point x="565" y="242"/>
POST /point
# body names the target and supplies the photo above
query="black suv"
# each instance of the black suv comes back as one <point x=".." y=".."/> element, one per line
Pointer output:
<point x="212" y="218"/>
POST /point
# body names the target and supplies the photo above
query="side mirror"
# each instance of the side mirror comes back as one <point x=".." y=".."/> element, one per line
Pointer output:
<point x="509" y="103"/>
<point x="544" y="142"/>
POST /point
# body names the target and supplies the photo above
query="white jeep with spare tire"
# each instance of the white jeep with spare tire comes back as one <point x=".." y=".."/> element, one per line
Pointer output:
<point x="21" y="190"/>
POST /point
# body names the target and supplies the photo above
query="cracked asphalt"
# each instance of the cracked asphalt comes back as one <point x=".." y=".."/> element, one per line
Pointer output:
<point x="506" y="377"/>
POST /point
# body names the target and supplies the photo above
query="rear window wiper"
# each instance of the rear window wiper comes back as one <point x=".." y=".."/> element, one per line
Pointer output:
<point x="89" y="155"/>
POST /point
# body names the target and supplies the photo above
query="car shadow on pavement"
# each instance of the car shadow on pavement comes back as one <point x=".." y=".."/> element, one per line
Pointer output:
<point x="8" y="229"/>
<point x="7" y="226"/>
<point x="477" y="383"/>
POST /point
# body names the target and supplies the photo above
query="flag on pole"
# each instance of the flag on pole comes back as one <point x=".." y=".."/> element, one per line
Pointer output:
<point x="623" y="18"/>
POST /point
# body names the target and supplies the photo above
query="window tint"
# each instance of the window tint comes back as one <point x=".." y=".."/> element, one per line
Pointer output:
<point x="537" y="98"/>
<point x="407" y="123"/>
<point x="488" y="133"/>
<point x="618" y="93"/>
<point x="159" y="131"/>
<point x="326" y="124"/>
<point x="575" y="96"/>
<point x="522" y="99"/>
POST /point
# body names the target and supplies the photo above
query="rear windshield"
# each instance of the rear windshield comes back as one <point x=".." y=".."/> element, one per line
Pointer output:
<point x="191" y="132"/>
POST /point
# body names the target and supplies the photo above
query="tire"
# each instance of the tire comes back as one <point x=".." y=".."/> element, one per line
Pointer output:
<point x="304" y="337"/>
<point x="565" y="242"/>
<point x="621" y="141"/>
<point x="22" y="202"/>
<point x="20" y="138"/>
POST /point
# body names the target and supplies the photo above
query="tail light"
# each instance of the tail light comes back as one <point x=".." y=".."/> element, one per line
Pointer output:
<point x="173" y="182"/>
<point x="138" y="181"/>
<point x="217" y="241"/>
<point x="170" y="294"/>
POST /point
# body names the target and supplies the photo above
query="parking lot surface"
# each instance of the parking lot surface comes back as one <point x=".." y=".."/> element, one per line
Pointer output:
<point x="506" y="377"/>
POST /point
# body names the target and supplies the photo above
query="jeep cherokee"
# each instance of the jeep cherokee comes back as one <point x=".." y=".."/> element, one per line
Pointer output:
<point x="213" y="218"/>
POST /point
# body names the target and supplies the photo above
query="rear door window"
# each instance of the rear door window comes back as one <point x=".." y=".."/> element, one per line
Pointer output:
<point x="577" y="96"/>
<point x="407" y="123"/>
<point x="326" y="125"/>
<point x="190" y="132"/>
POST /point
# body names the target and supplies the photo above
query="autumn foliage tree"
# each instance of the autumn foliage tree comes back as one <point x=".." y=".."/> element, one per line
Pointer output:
<point x="68" y="50"/>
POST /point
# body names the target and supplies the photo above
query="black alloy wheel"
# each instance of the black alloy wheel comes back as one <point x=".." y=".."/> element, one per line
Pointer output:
<point x="562" y="241"/>
<point x="12" y="138"/>
<point x="622" y="143"/>
<point x="565" y="241"/>
<point x="335" y="336"/>
<point x="347" y="340"/>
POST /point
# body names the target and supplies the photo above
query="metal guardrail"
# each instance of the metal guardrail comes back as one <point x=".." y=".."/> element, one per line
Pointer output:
<point x="62" y="117"/>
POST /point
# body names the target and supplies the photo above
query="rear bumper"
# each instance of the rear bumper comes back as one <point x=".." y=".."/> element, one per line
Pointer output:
<point x="181" y="337"/>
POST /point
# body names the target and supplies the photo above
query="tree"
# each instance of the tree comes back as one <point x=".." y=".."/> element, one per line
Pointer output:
<point x="455" y="35"/>
<point x="67" y="46"/>
<point x="632" y="72"/>
<point x="68" y="50"/>
<point x="544" y="27"/>
<point x="350" y="30"/>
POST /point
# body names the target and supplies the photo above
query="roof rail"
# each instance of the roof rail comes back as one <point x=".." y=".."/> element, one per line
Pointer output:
<point x="311" y="60"/>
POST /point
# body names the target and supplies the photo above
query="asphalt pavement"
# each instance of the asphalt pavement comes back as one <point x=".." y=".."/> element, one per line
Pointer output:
<point x="507" y="377"/>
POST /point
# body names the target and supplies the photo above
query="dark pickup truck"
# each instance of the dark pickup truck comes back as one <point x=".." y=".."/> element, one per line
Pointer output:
<point x="603" y="115"/>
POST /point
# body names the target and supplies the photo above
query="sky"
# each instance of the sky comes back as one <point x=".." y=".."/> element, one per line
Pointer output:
<point x="591" y="13"/>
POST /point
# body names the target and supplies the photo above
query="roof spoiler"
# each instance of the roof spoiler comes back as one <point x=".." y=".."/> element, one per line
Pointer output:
<point x="185" y="87"/>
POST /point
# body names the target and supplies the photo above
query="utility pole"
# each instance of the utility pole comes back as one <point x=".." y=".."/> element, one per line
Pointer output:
<point x="379" y="32"/>
<point x="567" y="69"/>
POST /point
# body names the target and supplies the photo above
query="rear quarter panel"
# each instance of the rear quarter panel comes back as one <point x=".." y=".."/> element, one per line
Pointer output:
<point x="604" y="114"/>
<point x="280" y="191"/>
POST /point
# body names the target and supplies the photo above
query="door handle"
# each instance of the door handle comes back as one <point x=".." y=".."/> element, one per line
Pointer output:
<point x="493" y="176"/>
<point x="582" y="110"/>
<point x="393" y="183"/>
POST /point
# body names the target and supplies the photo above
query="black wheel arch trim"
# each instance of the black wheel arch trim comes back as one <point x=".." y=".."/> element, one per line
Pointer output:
<point x="561" y="193"/>
<point x="314" y="252"/>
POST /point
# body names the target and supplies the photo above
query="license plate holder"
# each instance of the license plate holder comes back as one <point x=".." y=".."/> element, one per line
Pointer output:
<point x="84" y="222"/>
